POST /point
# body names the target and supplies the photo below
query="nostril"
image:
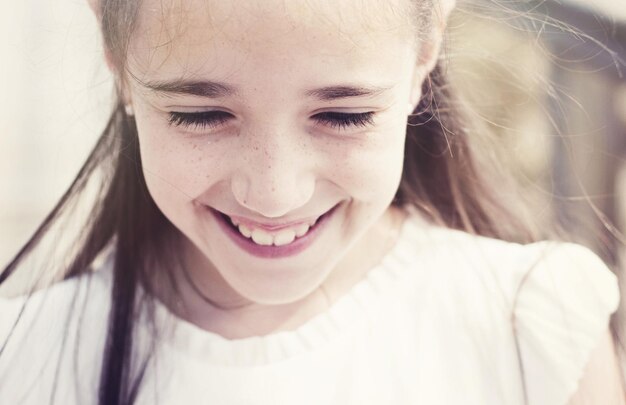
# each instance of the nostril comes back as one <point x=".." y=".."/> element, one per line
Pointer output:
<point x="272" y="194"/>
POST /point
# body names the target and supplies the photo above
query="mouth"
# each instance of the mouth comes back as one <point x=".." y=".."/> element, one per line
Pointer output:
<point x="287" y="241"/>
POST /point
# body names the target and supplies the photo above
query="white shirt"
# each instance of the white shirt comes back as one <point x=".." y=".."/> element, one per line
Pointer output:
<point x="446" y="318"/>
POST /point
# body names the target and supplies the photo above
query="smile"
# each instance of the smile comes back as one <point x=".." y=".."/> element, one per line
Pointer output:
<point x="281" y="237"/>
<point x="283" y="242"/>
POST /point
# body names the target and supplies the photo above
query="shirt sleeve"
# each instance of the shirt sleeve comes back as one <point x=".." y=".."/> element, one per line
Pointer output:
<point x="562" y="310"/>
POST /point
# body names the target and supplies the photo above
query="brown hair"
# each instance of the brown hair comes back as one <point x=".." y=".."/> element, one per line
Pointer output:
<point x="441" y="178"/>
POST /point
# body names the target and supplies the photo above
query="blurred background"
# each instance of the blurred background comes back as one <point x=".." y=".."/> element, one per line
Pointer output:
<point x="56" y="98"/>
<point x="548" y="80"/>
<point x="545" y="77"/>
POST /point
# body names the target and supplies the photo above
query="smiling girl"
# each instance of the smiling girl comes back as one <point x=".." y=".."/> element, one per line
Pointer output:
<point x="290" y="213"/>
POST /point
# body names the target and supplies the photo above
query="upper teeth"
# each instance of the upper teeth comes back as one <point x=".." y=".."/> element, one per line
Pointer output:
<point x="280" y="238"/>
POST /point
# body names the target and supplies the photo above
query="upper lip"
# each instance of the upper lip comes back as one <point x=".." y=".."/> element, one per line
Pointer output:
<point x="272" y="226"/>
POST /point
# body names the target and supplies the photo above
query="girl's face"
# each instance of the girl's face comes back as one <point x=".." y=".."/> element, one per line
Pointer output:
<point x="274" y="115"/>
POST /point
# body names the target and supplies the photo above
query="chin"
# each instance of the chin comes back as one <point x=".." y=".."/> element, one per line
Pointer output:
<point x="282" y="288"/>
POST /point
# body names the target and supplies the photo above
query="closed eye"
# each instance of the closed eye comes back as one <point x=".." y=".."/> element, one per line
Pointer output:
<point x="212" y="119"/>
<point x="339" y="120"/>
<point x="199" y="120"/>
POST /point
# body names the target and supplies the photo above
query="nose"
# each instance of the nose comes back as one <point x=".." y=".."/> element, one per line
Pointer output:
<point x="273" y="176"/>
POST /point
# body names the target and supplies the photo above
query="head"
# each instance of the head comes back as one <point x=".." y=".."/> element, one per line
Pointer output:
<point x="272" y="113"/>
<point x="266" y="113"/>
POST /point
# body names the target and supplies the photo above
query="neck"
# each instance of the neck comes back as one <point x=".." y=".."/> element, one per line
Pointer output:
<point x="209" y="303"/>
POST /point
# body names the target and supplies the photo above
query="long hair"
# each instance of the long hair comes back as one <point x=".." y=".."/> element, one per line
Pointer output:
<point x="441" y="178"/>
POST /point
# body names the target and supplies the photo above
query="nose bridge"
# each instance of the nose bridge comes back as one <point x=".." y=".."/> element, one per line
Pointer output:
<point x="272" y="178"/>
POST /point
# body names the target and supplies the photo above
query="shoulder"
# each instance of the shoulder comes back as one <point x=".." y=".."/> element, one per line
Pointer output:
<point x="87" y="292"/>
<point x="556" y="297"/>
<point x="548" y="278"/>
<point x="561" y="316"/>
<point x="52" y="335"/>
<point x="516" y="270"/>
<point x="602" y="381"/>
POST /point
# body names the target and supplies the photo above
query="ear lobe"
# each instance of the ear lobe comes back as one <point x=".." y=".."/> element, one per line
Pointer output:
<point x="427" y="60"/>
<point x="108" y="58"/>
<point x="416" y="88"/>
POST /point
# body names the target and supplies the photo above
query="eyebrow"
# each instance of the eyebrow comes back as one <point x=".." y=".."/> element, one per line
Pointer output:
<point x="206" y="89"/>
<point x="340" y="92"/>
<point x="211" y="89"/>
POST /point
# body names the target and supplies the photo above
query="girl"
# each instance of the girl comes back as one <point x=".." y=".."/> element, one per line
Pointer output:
<point x="273" y="229"/>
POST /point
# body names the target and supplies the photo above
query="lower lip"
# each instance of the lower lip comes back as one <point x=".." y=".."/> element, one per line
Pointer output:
<point x="295" y="247"/>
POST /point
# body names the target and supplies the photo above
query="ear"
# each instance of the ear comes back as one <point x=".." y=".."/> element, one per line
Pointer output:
<point x="108" y="57"/>
<point x="430" y="48"/>
<point x="444" y="9"/>
<point x="95" y="6"/>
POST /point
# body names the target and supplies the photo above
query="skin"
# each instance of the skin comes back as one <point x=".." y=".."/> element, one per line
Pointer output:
<point x="602" y="381"/>
<point x="270" y="162"/>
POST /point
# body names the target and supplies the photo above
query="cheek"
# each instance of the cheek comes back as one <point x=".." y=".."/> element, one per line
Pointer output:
<point x="175" y="167"/>
<point x="371" y="169"/>
<point x="179" y="168"/>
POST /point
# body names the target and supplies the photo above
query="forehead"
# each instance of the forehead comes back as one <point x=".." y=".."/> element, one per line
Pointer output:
<point x="196" y="35"/>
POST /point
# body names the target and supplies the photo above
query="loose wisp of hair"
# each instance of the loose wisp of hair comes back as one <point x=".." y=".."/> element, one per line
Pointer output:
<point x="442" y="178"/>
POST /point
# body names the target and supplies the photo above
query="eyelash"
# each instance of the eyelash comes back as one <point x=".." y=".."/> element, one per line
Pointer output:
<point x="199" y="120"/>
<point x="337" y="120"/>
<point x="213" y="119"/>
